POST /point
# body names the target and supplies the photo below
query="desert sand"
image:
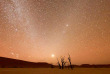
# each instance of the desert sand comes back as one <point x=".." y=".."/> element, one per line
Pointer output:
<point x="54" y="71"/>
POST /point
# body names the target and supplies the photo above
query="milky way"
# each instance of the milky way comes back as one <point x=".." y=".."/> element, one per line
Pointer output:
<point x="33" y="30"/>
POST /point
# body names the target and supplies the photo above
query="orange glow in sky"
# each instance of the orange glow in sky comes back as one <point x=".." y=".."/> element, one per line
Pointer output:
<point x="33" y="30"/>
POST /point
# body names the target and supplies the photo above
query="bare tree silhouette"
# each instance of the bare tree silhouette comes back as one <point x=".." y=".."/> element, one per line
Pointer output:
<point x="63" y="62"/>
<point x="69" y="59"/>
<point x="59" y="64"/>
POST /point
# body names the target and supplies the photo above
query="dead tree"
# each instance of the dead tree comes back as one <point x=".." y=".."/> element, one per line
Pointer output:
<point x="69" y="59"/>
<point x="63" y="62"/>
<point x="59" y="64"/>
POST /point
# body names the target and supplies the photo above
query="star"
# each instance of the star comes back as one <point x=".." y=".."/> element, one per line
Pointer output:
<point x="12" y="53"/>
<point x="16" y="29"/>
<point x="67" y="25"/>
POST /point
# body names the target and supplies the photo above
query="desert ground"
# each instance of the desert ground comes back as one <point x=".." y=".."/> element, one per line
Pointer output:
<point x="54" y="71"/>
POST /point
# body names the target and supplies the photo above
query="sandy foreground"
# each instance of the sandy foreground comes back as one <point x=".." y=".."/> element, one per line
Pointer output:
<point x="54" y="71"/>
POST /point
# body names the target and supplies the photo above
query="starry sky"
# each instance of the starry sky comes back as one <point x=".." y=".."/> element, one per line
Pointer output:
<point x="33" y="30"/>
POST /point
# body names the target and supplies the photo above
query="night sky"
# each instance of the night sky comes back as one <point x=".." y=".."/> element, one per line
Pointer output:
<point x="44" y="30"/>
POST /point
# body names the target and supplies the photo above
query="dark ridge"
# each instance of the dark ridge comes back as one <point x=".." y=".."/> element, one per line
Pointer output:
<point x="15" y="63"/>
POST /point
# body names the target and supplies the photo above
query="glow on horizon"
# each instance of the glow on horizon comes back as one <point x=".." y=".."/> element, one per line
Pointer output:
<point x="32" y="30"/>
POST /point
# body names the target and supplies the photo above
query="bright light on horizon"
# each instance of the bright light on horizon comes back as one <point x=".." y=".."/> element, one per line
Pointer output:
<point x="52" y="55"/>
